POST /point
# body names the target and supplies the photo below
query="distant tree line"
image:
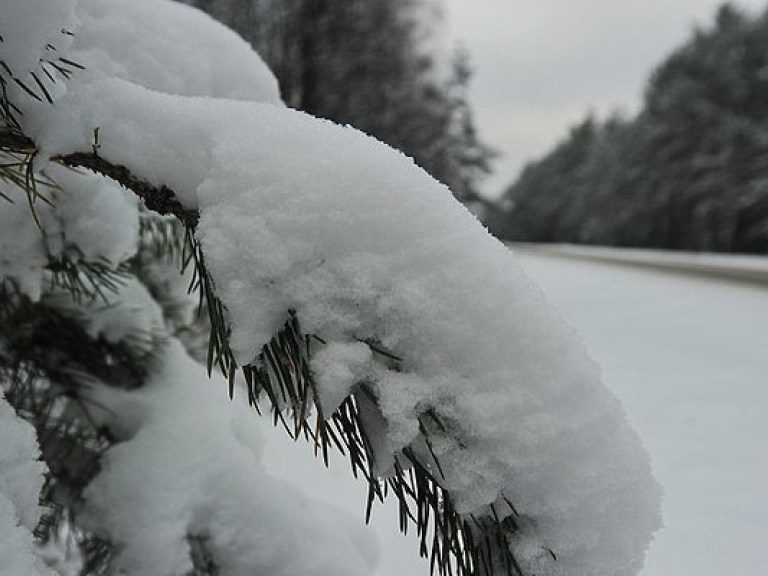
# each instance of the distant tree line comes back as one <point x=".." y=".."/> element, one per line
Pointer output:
<point x="370" y="64"/>
<point x="689" y="172"/>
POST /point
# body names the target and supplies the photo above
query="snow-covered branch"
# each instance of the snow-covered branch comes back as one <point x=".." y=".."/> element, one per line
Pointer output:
<point x="425" y="350"/>
<point x="159" y="199"/>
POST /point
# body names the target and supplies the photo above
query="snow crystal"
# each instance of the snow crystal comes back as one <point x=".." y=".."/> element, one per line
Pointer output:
<point x="21" y="479"/>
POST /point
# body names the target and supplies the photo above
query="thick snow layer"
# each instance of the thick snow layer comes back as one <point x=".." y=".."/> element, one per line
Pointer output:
<point x="182" y="50"/>
<point x="199" y="456"/>
<point x="337" y="368"/>
<point x="97" y="217"/>
<point x="687" y="358"/>
<point x="23" y="252"/>
<point x="298" y="213"/>
<point x="21" y="479"/>
<point x="89" y="218"/>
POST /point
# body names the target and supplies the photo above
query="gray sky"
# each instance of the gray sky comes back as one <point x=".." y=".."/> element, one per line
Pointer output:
<point x="541" y="65"/>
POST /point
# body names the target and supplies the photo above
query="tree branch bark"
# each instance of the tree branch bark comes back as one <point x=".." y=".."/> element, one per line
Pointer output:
<point x="159" y="199"/>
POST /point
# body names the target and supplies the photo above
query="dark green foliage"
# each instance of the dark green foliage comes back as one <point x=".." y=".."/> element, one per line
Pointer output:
<point x="48" y="366"/>
<point x="50" y="363"/>
<point x="203" y="563"/>
<point x="689" y="172"/>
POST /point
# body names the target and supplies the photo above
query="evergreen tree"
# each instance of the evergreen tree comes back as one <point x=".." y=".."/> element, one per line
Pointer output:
<point x="705" y="129"/>
<point x="546" y="188"/>
<point x="687" y="172"/>
<point x="366" y="63"/>
<point x="346" y="294"/>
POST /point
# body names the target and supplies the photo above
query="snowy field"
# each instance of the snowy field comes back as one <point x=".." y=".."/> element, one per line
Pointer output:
<point x="746" y="268"/>
<point x="687" y="356"/>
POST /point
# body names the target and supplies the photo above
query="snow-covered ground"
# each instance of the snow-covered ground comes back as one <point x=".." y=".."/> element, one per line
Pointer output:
<point x="747" y="268"/>
<point x="687" y="356"/>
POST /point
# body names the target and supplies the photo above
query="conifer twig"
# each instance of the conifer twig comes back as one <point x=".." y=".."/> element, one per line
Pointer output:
<point x="282" y="372"/>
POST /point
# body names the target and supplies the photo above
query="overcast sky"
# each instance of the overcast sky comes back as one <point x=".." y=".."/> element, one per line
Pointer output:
<point x="541" y="65"/>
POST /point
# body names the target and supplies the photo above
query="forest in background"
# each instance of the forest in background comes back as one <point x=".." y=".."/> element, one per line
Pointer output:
<point x="371" y="64"/>
<point x="688" y="172"/>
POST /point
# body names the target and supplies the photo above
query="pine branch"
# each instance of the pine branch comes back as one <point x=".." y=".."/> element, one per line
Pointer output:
<point x="14" y="141"/>
<point x="454" y="544"/>
<point x="86" y="281"/>
<point x="160" y="199"/>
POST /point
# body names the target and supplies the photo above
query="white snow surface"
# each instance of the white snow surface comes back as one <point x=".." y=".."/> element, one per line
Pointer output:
<point x="21" y="479"/>
<point x="23" y="252"/>
<point x="199" y="456"/>
<point x="98" y="218"/>
<point x="181" y="51"/>
<point x="188" y="463"/>
<point x="745" y="267"/>
<point x="686" y="355"/>
<point x="34" y="31"/>
<point x="298" y="213"/>
<point x="89" y="218"/>
<point x="337" y="368"/>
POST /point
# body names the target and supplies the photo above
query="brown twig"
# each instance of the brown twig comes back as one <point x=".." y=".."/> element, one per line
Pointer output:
<point x="160" y="199"/>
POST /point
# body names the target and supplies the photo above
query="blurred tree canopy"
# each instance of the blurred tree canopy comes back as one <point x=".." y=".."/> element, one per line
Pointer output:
<point x="370" y="64"/>
<point x="689" y="172"/>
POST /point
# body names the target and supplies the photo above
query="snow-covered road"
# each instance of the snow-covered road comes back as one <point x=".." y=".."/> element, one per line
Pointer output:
<point x="688" y="357"/>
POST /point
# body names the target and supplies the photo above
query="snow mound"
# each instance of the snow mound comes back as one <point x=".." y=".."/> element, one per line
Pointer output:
<point x="182" y="50"/>
<point x="23" y="256"/>
<point x="21" y="479"/>
<point x="87" y="218"/>
<point x="97" y="217"/>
